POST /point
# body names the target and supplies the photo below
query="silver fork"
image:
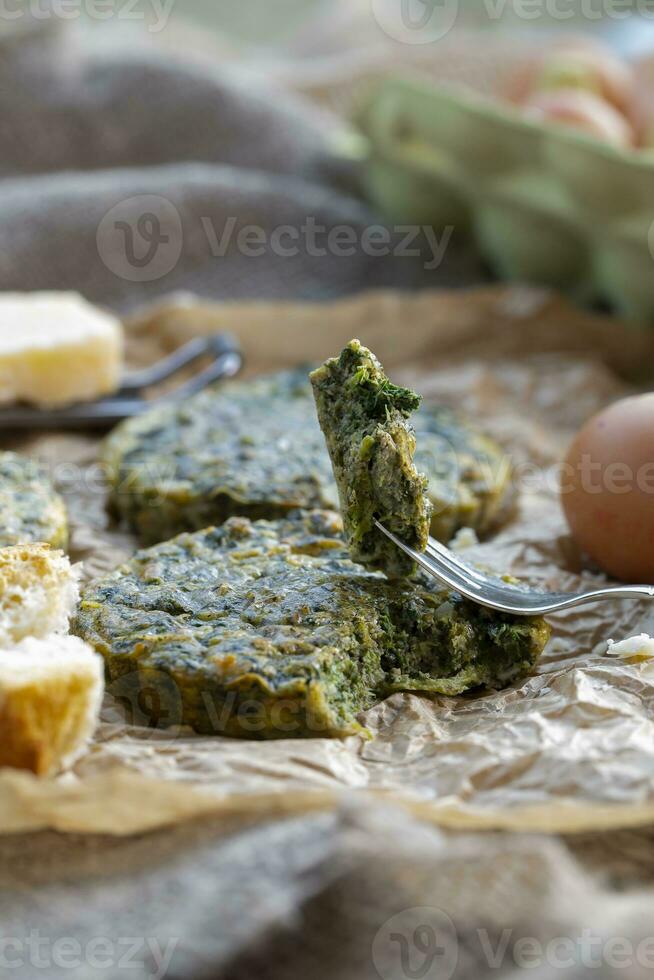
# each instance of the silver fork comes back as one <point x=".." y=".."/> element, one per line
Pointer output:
<point x="495" y="593"/>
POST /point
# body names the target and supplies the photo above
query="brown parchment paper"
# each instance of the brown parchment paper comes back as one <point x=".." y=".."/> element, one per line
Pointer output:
<point x="571" y="748"/>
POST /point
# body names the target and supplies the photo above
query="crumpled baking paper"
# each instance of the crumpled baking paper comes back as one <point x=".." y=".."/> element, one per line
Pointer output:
<point x="570" y="748"/>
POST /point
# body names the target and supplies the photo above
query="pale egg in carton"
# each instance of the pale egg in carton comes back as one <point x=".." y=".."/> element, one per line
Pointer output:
<point x="545" y="203"/>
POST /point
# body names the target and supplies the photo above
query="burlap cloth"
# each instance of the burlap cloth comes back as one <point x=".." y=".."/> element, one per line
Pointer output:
<point x="148" y="169"/>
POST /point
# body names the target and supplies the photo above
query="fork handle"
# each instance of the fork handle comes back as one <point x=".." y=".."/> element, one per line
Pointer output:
<point x="214" y="345"/>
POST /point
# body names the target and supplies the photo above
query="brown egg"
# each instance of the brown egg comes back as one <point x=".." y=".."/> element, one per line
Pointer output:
<point x="607" y="489"/>
<point x="584" y="111"/>
<point x="589" y="67"/>
<point x="582" y="64"/>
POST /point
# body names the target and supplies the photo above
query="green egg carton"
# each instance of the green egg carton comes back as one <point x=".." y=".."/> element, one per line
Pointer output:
<point x="545" y="203"/>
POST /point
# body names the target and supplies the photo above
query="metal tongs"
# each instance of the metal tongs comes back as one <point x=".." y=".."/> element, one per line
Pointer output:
<point x="130" y="400"/>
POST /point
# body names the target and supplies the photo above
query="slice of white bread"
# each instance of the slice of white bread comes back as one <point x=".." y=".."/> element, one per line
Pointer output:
<point x="50" y="696"/>
<point x="39" y="591"/>
<point x="57" y="349"/>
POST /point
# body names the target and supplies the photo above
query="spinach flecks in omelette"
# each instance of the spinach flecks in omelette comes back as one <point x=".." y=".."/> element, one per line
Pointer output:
<point x="30" y="509"/>
<point x="364" y="418"/>
<point x="268" y="630"/>
<point x="254" y="448"/>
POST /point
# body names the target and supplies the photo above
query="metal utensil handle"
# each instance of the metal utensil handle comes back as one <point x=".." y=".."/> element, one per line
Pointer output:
<point x="90" y="415"/>
<point x="215" y="345"/>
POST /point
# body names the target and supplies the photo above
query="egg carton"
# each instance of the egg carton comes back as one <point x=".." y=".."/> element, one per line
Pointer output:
<point x="545" y="203"/>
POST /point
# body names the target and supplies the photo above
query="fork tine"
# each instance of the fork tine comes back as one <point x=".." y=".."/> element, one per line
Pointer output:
<point x="454" y="578"/>
<point x="443" y="554"/>
<point x="484" y="592"/>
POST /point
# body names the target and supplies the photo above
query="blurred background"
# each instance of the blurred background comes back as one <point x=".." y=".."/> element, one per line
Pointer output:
<point x="514" y="137"/>
<point x="274" y="24"/>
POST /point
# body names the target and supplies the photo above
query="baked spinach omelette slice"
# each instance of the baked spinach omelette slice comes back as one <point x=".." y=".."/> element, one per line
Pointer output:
<point x="31" y="510"/>
<point x="268" y="630"/>
<point x="250" y="449"/>
<point x="254" y="448"/>
<point x="364" y="418"/>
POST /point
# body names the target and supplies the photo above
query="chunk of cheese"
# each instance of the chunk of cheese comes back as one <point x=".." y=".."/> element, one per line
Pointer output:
<point x="56" y="349"/>
<point x="50" y="697"/>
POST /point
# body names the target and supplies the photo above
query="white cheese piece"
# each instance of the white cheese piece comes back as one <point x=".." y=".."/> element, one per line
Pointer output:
<point x="50" y="697"/>
<point x="639" y="647"/>
<point x="56" y="349"/>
